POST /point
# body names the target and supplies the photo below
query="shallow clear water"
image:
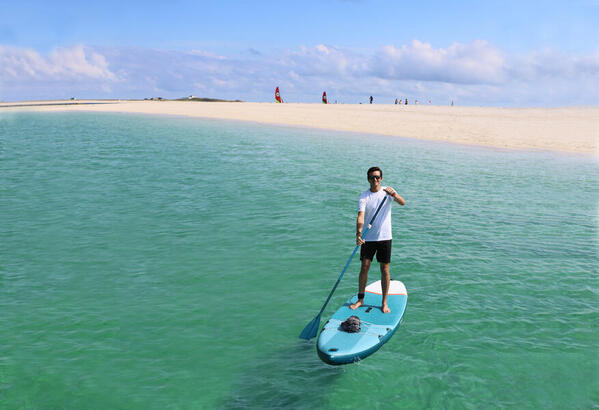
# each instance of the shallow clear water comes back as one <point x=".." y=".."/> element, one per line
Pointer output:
<point x="171" y="263"/>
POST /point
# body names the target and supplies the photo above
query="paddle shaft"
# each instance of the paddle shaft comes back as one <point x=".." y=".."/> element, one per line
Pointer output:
<point x="352" y="256"/>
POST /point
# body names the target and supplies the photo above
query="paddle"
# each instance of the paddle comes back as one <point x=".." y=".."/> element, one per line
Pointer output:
<point x="312" y="328"/>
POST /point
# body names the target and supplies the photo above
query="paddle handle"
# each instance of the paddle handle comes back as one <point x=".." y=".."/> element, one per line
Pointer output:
<point x="352" y="255"/>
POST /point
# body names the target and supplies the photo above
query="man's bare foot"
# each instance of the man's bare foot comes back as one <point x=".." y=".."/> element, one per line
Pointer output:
<point x="385" y="309"/>
<point x="356" y="305"/>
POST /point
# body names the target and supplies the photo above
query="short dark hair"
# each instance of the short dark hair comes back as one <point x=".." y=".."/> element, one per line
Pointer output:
<point x="372" y="169"/>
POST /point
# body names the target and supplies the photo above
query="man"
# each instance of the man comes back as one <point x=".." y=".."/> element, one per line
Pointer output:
<point x="378" y="238"/>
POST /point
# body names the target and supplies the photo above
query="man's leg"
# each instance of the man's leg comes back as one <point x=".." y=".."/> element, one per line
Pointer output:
<point x="385" y="283"/>
<point x="362" y="282"/>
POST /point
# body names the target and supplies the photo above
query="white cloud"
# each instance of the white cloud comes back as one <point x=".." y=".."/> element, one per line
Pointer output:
<point x="209" y="54"/>
<point x="474" y="63"/>
<point x="547" y="64"/>
<point x="76" y="63"/>
<point x="322" y="60"/>
<point x="476" y="73"/>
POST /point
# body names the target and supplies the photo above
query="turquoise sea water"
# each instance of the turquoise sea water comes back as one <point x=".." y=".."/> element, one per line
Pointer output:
<point x="161" y="262"/>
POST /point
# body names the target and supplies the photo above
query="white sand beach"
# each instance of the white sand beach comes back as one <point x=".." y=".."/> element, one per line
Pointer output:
<point x="574" y="130"/>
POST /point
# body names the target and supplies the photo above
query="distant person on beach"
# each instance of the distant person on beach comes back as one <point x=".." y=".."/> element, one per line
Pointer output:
<point x="371" y="99"/>
<point x="406" y="101"/>
<point x="396" y="101"/>
<point x="378" y="239"/>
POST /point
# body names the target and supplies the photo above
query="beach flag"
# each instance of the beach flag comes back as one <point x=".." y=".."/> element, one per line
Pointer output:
<point x="278" y="96"/>
<point x="324" y="97"/>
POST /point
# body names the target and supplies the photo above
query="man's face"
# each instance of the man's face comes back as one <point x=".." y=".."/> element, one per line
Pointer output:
<point x="375" y="178"/>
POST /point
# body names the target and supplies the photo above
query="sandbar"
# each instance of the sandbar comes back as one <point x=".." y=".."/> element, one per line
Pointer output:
<point x="564" y="129"/>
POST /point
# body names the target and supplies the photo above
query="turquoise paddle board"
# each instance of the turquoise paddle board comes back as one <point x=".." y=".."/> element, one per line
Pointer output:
<point x="335" y="346"/>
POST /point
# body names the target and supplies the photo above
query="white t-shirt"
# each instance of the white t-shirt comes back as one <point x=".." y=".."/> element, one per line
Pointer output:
<point x="381" y="227"/>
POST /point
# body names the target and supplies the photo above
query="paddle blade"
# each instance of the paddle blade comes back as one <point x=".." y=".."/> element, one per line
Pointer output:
<point x="311" y="329"/>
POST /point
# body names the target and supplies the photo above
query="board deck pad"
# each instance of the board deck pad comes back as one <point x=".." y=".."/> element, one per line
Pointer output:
<point x="336" y="346"/>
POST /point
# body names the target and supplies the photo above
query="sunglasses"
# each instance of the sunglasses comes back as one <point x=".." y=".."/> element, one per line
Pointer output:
<point x="377" y="177"/>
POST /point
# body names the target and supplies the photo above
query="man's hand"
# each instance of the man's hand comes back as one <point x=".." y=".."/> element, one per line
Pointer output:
<point x="396" y="197"/>
<point x="390" y="191"/>
<point x="359" y="240"/>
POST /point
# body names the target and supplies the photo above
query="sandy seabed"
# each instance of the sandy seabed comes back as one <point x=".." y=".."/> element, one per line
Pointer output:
<point x="571" y="129"/>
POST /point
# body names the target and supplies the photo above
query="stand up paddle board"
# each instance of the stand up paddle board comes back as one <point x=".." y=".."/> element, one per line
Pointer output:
<point x="336" y="346"/>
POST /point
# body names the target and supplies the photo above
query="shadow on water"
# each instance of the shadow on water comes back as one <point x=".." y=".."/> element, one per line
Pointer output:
<point x="290" y="378"/>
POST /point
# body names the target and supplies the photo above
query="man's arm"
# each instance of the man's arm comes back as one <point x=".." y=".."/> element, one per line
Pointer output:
<point x="359" y="226"/>
<point x="396" y="197"/>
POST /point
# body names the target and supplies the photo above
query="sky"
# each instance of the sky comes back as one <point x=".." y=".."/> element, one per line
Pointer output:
<point x="489" y="53"/>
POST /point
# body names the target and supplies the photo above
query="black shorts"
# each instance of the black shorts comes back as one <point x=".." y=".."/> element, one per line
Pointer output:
<point x="381" y="248"/>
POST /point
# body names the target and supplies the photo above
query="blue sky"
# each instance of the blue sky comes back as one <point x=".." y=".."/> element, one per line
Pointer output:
<point x="510" y="53"/>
